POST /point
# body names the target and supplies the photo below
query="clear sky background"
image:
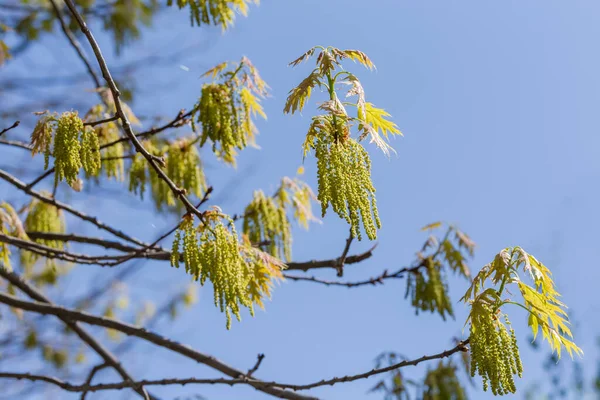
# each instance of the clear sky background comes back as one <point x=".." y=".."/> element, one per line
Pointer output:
<point x="498" y="102"/>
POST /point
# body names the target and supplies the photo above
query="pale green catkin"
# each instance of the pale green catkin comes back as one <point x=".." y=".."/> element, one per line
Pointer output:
<point x="66" y="152"/>
<point x="344" y="176"/>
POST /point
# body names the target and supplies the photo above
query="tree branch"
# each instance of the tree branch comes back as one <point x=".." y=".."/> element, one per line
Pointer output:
<point x="106" y="355"/>
<point x="462" y="346"/>
<point x="21" y="186"/>
<point x="152" y="160"/>
<point x="75" y="44"/>
<point x="14" y="125"/>
<point x="161" y="341"/>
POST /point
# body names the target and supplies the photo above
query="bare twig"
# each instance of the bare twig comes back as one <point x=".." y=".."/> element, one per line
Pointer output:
<point x="377" y="280"/>
<point x="90" y="377"/>
<point x="75" y="44"/>
<point x="333" y="263"/>
<point x="342" y="259"/>
<point x="16" y="143"/>
<point x="179" y="120"/>
<point x="101" y="121"/>
<point x="14" y="125"/>
<point x="259" y="359"/>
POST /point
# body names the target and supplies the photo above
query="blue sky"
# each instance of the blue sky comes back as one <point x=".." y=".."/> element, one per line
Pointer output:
<point x="498" y="104"/>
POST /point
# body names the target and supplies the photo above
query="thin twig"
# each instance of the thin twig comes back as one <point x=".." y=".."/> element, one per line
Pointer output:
<point x="90" y="377"/>
<point x="259" y="358"/>
<point x="75" y="44"/>
<point x="342" y="259"/>
<point x="16" y="143"/>
<point x="14" y="125"/>
<point x="176" y="122"/>
<point x="101" y="121"/>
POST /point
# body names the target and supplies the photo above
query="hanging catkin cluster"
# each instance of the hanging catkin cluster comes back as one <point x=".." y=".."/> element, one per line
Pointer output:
<point x="428" y="289"/>
<point x="183" y="166"/>
<point x="426" y="284"/>
<point x="241" y="274"/>
<point x="113" y="165"/>
<point x="267" y="226"/>
<point x="45" y="218"/>
<point x="494" y="351"/>
<point x="214" y="12"/>
<point x="442" y="383"/>
<point x="226" y="108"/>
<point x="344" y="166"/>
<point x="213" y="252"/>
<point x="72" y="145"/>
<point x="10" y="225"/>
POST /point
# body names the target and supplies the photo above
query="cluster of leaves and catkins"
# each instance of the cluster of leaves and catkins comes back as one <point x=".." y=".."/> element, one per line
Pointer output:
<point x="241" y="275"/>
<point x="427" y="284"/>
<point x="494" y="351"/>
<point x="343" y="164"/>
<point x="266" y="221"/>
<point x="226" y="107"/>
<point x="72" y="145"/>
<point x="183" y="166"/>
<point x="214" y="12"/>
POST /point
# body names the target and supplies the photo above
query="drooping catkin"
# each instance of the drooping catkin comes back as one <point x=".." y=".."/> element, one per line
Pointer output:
<point x="90" y="152"/>
<point x="240" y="274"/>
<point x="213" y="252"/>
<point x="494" y="351"/>
<point x="428" y="289"/>
<point x="344" y="177"/>
<point x="66" y="152"/>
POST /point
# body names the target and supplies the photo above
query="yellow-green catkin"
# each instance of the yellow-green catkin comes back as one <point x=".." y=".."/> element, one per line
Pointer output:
<point x="213" y="252"/>
<point x="218" y="117"/>
<point x="113" y="165"/>
<point x="494" y="351"/>
<point x="428" y="289"/>
<point x="90" y="152"/>
<point x="66" y="152"/>
<point x="45" y="218"/>
<point x="267" y="226"/>
<point x="344" y="176"/>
